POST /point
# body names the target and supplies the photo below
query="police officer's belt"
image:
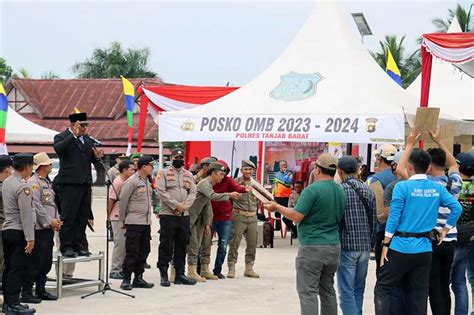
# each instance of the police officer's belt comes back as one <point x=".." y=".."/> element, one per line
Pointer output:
<point x="245" y="213"/>
<point x="412" y="234"/>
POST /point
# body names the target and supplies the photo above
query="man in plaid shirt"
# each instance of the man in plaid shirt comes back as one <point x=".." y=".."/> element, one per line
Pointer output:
<point x="357" y="230"/>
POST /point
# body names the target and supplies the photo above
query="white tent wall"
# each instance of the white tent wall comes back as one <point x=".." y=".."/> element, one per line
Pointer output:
<point x="233" y="152"/>
<point x="22" y="130"/>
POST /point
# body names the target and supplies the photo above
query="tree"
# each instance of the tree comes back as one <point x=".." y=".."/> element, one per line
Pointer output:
<point x="50" y="75"/>
<point x="463" y="16"/>
<point x="410" y="67"/>
<point x="21" y="74"/>
<point x="113" y="62"/>
<point x="5" y="71"/>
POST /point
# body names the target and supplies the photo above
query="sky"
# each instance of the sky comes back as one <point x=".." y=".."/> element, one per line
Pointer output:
<point x="191" y="42"/>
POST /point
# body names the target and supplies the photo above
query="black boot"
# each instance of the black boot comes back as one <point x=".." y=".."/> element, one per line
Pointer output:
<point x="44" y="295"/>
<point x="126" y="285"/>
<point x="182" y="279"/>
<point x="138" y="282"/>
<point x="17" y="308"/>
<point x="164" y="278"/>
<point x="27" y="297"/>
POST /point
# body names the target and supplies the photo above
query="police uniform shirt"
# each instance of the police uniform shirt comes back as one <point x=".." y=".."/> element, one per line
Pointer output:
<point x="246" y="202"/>
<point x="113" y="173"/>
<point x="43" y="201"/>
<point x="135" y="201"/>
<point x="175" y="186"/>
<point x="17" y="203"/>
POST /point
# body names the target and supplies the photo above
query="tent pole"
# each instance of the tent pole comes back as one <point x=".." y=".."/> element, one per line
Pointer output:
<point x="369" y="156"/>
<point x="160" y="155"/>
<point x="349" y="149"/>
<point x="262" y="163"/>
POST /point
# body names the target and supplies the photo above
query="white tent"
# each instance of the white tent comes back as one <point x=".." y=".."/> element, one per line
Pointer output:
<point x="22" y="130"/>
<point x="324" y="87"/>
<point x="326" y="58"/>
<point x="450" y="89"/>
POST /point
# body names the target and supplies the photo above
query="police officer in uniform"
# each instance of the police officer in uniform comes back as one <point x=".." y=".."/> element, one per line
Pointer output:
<point x="176" y="191"/>
<point x="18" y="233"/>
<point x="114" y="172"/>
<point x="76" y="152"/>
<point x="244" y="224"/>
<point x="135" y="212"/>
<point x="47" y="220"/>
<point x="5" y="171"/>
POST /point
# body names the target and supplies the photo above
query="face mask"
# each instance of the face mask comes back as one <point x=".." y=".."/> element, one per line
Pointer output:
<point x="178" y="163"/>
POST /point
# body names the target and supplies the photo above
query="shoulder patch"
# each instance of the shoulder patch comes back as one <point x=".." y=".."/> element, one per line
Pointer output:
<point x="27" y="191"/>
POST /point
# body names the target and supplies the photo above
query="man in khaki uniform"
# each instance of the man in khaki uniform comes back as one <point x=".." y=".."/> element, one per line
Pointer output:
<point x="114" y="171"/>
<point x="135" y="210"/>
<point x="201" y="219"/>
<point x="244" y="224"/>
<point x="176" y="191"/>
<point x="203" y="169"/>
<point x="18" y="233"/>
<point x="5" y="171"/>
<point x="47" y="221"/>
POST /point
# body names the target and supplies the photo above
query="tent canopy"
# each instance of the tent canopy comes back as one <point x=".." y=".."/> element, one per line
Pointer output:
<point x="324" y="87"/>
<point x="21" y="130"/>
<point x="451" y="89"/>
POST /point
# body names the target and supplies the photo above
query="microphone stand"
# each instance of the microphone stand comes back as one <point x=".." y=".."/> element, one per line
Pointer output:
<point x="107" y="227"/>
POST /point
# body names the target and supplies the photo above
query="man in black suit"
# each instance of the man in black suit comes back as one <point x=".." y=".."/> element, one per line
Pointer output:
<point x="76" y="153"/>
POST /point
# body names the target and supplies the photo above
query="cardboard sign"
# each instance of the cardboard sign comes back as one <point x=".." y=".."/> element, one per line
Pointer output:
<point x="426" y="119"/>
<point x="260" y="192"/>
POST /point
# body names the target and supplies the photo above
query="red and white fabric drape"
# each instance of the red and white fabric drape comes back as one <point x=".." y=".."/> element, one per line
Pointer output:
<point x="456" y="48"/>
<point x="156" y="99"/>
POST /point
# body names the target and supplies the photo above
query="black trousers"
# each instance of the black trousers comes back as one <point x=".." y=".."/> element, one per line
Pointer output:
<point x="137" y="248"/>
<point x="440" y="295"/>
<point x="75" y="212"/>
<point x="42" y="260"/>
<point x="289" y="224"/>
<point x="379" y="236"/>
<point x="17" y="263"/>
<point x="416" y="269"/>
<point x="174" y="237"/>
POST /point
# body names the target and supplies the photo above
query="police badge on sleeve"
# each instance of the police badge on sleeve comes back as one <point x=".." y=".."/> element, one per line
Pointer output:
<point x="296" y="86"/>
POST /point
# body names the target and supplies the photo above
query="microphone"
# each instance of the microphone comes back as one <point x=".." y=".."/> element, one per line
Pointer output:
<point x="96" y="142"/>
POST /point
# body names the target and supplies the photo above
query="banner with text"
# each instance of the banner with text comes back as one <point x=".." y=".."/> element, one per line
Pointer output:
<point x="315" y="128"/>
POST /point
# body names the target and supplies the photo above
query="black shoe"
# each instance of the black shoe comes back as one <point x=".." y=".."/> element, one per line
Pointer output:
<point x="69" y="253"/>
<point x="83" y="253"/>
<point x="27" y="297"/>
<point x="138" y="282"/>
<point x="46" y="296"/>
<point x="219" y="275"/>
<point x="182" y="279"/>
<point x="4" y="307"/>
<point x="18" y="308"/>
<point x="116" y="275"/>
<point x="164" y="281"/>
<point x="147" y="266"/>
<point x="126" y="285"/>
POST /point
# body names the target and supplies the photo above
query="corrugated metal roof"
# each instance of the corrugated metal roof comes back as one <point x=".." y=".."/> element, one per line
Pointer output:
<point x="99" y="98"/>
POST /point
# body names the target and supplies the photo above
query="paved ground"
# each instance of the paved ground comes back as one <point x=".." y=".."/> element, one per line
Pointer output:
<point x="273" y="293"/>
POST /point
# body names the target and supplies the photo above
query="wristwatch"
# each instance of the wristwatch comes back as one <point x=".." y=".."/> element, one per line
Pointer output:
<point x="385" y="244"/>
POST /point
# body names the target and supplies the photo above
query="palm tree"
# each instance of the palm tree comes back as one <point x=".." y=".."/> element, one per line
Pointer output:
<point x="113" y="62"/>
<point x="410" y="67"/>
<point x="5" y="71"/>
<point x="463" y="16"/>
<point x="50" y="75"/>
<point x="21" y="74"/>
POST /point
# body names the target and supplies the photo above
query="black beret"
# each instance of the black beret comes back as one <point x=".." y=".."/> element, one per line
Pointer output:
<point x="5" y="160"/>
<point x="22" y="159"/>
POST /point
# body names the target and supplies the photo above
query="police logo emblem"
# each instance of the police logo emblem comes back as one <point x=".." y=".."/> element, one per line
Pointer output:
<point x="27" y="191"/>
<point x="371" y="124"/>
<point x="188" y="125"/>
<point x="296" y="86"/>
